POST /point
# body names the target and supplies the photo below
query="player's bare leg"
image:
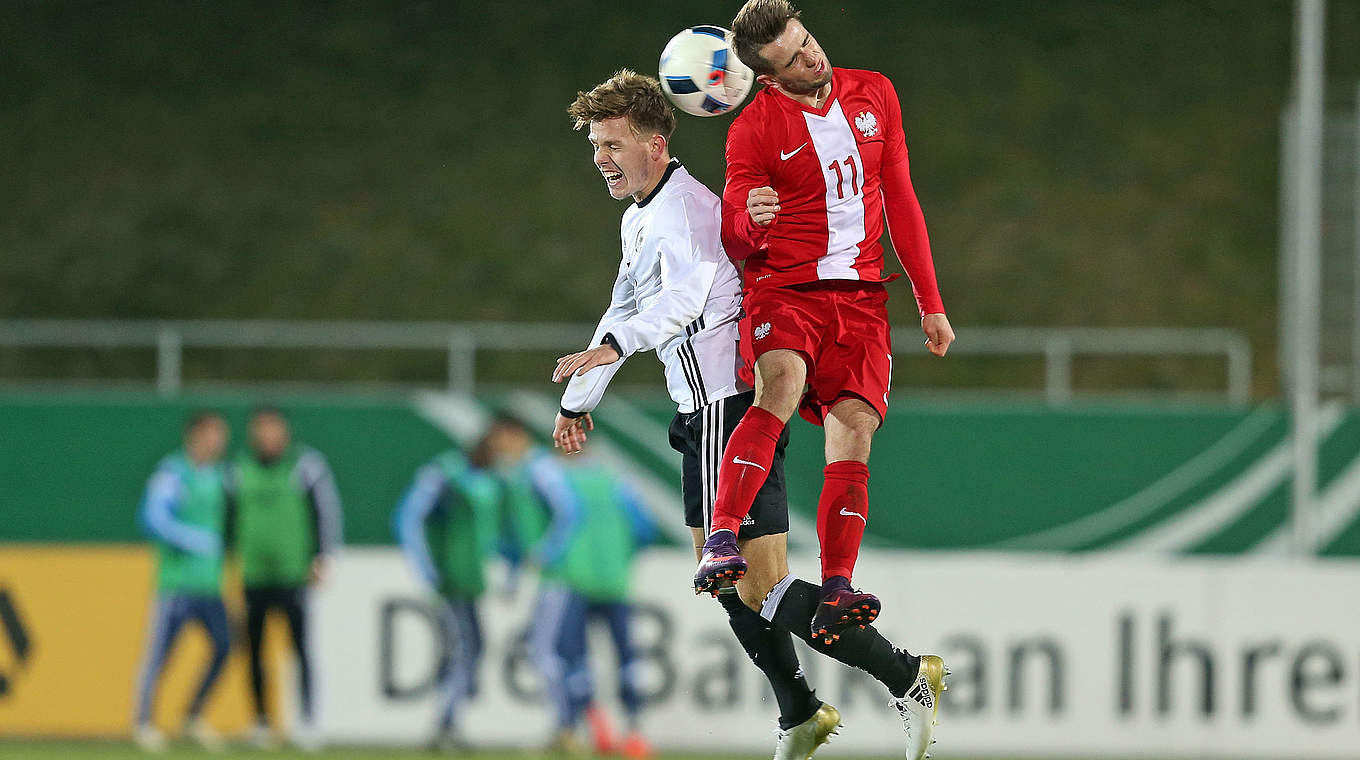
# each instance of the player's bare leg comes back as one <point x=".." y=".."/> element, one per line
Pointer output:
<point x="842" y="516"/>
<point x="781" y="375"/>
<point x="767" y="558"/>
<point x="850" y="428"/>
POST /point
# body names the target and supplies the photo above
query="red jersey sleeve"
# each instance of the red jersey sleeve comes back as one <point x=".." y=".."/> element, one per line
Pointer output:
<point x="906" y="221"/>
<point x="741" y="236"/>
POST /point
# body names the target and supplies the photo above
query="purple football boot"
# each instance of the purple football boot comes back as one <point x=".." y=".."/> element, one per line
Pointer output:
<point x="842" y="607"/>
<point x="721" y="562"/>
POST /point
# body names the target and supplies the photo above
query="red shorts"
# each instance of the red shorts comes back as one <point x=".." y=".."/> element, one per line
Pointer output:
<point x="841" y="329"/>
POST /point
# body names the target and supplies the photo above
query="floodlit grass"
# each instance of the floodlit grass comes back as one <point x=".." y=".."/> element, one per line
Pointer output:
<point x="53" y="750"/>
<point x="41" y="750"/>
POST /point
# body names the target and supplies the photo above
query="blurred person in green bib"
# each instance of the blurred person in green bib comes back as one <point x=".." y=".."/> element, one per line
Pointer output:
<point x="183" y="512"/>
<point x="285" y="523"/>
<point x="448" y="525"/>
<point x="581" y="526"/>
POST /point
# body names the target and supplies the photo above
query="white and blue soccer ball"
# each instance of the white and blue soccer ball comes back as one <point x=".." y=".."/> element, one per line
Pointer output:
<point x="701" y="74"/>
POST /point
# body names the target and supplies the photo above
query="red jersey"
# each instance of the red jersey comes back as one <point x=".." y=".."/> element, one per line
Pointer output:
<point x="836" y="169"/>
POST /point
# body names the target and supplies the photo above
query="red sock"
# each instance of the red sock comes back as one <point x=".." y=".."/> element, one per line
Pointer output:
<point x="842" y="515"/>
<point x="746" y="464"/>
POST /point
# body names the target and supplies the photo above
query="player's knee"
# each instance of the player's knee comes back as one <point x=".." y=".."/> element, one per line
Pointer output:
<point x="780" y="388"/>
<point x="780" y="377"/>
<point x="851" y="435"/>
<point x="862" y="437"/>
<point x="753" y="594"/>
<point x="848" y="445"/>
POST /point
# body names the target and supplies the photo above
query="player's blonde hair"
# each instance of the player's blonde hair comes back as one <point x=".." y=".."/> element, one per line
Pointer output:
<point x="631" y="95"/>
<point x="756" y="25"/>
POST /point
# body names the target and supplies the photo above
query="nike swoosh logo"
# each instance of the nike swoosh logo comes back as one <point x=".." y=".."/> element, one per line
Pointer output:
<point x="848" y="513"/>
<point x="739" y="460"/>
<point x="786" y="156"/>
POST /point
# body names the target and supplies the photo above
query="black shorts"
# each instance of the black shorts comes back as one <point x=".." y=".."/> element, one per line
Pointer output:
<point x="700" y="437"/>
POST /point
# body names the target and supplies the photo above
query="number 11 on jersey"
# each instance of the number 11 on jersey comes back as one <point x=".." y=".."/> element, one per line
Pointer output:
<point x="840" y="176"/>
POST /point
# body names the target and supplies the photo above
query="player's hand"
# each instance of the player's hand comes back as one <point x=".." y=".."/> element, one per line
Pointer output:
<point x="938" y="333"/>
<point x="762" y="203"/>
<point x="569" y="433"/>
<point x="582" y="362"/>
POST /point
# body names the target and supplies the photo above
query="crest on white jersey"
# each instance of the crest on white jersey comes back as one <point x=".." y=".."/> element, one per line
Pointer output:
<point x="867" y="123"/>
<point x="631" y="255"/>
<point x="761" y="330"/>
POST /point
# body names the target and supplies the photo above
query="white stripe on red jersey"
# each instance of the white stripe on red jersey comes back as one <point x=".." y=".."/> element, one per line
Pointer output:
<point x="839" y="158"/>
<point x="833" y="168"/>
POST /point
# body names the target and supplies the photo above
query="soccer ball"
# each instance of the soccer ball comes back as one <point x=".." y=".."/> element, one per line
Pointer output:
<point x="700" y="73"/>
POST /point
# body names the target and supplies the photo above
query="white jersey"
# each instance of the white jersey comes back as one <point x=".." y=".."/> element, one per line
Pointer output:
<point x="676" y="293"/>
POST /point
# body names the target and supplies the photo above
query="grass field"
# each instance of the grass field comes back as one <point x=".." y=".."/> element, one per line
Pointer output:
<point x="53" y="750"/>
<point x="37" y="750"/>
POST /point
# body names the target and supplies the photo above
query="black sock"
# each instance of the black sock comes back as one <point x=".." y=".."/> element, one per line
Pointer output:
<point x="772" y="651"/>
<point x="864" y="648"/>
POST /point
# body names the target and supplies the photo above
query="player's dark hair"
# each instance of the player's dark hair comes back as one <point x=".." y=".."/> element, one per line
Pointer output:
<point x="481" y="454"/>
<point x="507" y="421"/>
<point x="267" y="410"/>
<point x="201" y="417"/>
<point x="757" y="24"/>
<point x="631" y="95"/>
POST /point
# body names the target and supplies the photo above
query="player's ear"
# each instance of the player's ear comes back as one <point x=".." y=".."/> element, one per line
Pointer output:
<point x="765" y="79"/>
<point x="658" y="145"/>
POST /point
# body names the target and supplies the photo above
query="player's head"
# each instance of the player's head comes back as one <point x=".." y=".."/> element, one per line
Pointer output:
<point x="630" y="125"/>
<point x="269" y="432"/>
<point x="769" y="36"/>
<point x="205" y="436"/>
<point x="506" y="441"/>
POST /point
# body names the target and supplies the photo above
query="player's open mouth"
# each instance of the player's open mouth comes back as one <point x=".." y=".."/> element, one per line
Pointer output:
<point x="612" y="177"/>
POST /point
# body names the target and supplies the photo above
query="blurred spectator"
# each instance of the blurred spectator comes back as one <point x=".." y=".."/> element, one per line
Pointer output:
<point x="583" y="547"/>
<point x="183" y="512"/>
<point x="448" y="524"/>
<point x="284" y="518"/>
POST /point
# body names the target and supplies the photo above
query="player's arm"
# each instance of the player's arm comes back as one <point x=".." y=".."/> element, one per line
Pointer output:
<point x="163" y="495"/>
<point x="564" y="504"/>
<point x="643" y="526"/>
<point x="690" y="256"/>
<point x="588" y="372"/>
<point x="408" y="522"/>
<point x="749" y="204"/>
<point x="324" y="497"/>
<point x="907" y="229"/>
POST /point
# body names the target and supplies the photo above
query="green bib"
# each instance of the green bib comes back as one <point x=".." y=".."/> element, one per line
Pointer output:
<point x="203" y="507"/>
<point x="600" y="550"/>
<point x="464" y="536"/>
<point x="275" y="534"/>
<point x="526" y="518"/>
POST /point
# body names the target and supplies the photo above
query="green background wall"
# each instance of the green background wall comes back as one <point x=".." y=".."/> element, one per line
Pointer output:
<point x="979" y="475"/>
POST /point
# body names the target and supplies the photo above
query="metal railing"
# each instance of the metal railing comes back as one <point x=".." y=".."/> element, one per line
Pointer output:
<point x="1059" y="345"/>
<point x="463" y="341"/>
